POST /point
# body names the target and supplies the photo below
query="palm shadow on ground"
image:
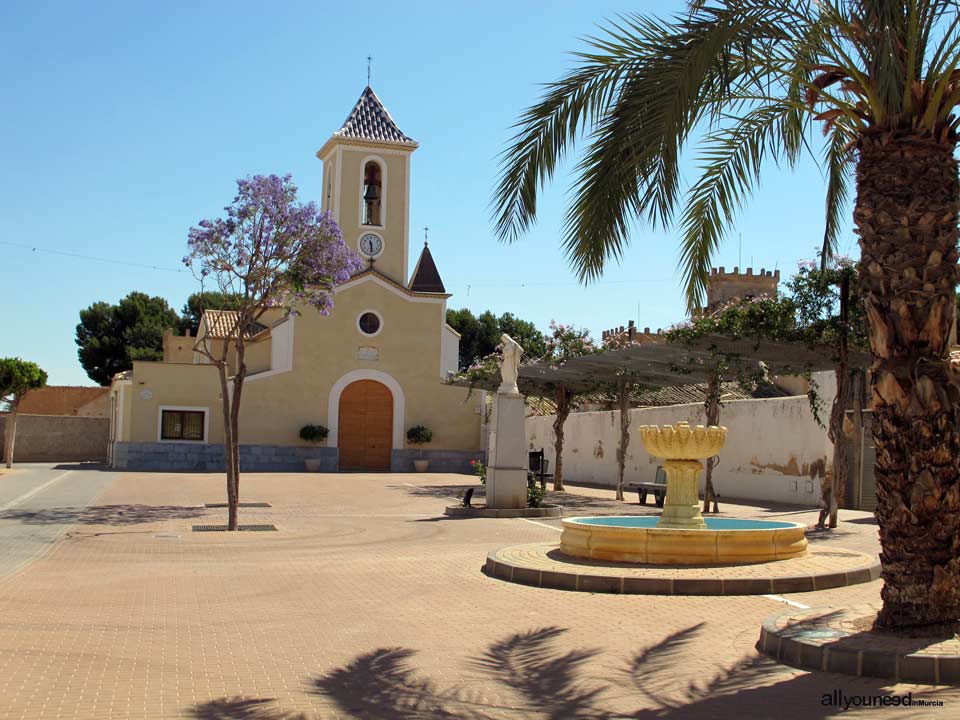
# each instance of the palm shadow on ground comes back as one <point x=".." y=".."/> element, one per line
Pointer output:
<point x="542" y="681"/>
<point x="103" y="514"/>
<point x="240" y="708"/>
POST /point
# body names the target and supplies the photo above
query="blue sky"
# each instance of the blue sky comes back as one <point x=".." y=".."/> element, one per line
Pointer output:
<point x="126" y="123"/>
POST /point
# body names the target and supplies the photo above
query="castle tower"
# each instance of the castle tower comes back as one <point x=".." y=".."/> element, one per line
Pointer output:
<point x="366" y="181"/>
<point x="724" y="286"/>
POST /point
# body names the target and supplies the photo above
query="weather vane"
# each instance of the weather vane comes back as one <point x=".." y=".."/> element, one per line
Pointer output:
<point x="369" y="60"/>
<point x="425" y="231"/>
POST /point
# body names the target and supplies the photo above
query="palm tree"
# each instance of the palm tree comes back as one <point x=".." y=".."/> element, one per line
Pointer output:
<point x="748" y="81"/>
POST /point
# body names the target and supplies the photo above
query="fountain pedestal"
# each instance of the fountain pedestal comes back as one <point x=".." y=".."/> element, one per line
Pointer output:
<point x="682" y="447"/>
<point x="681" y="508"/>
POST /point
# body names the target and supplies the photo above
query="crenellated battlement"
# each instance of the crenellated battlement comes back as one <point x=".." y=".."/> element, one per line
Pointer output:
<point x="722" y="273"/>
<point x="723" y="286"/>
<point x="630" y="333"/>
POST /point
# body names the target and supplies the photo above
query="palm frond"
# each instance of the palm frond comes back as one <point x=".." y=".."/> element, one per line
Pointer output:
<point x="837" y="158"/>
<point x="731" y="164"/>
<point x="546" y="130"/>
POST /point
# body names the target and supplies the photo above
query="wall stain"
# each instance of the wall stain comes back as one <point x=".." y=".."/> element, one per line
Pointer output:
<point x="790" y="468"/>
<point x="598" y="450"/>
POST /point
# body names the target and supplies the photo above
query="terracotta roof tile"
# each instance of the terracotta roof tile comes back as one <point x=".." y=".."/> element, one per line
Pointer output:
<point x="221" y="323"/>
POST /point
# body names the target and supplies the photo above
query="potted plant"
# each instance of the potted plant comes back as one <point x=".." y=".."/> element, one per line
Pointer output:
<point x="418" y="435"/>
<point x="313" y="434"/>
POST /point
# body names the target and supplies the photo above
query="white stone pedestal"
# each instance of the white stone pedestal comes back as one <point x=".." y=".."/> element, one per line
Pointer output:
<point x="507" y="454"/>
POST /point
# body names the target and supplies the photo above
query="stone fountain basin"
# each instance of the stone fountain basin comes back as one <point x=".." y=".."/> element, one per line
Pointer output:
<point x="725" y="541"/>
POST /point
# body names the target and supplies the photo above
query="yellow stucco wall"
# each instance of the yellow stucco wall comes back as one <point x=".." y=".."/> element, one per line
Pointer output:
<point x="392" y="262"/>
<point x="178" y="348"/>
<point x="274" y="407"/>
<point x="172" y="384"/>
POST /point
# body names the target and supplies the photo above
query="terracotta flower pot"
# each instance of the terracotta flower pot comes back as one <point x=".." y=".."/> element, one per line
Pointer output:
<point x="421" y="465"/>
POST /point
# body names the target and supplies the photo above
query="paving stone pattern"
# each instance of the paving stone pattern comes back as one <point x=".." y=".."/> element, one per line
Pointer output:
<point x="543" y="565"/>
<point x="369" y="603"/>
<point x="837" y="638"/>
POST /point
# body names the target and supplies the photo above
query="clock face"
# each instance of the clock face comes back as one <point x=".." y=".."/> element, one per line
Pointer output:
<point x="371" y="245"/>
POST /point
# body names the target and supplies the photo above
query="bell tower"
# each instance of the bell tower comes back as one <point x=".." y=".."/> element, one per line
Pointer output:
<point x="366" y="185"/>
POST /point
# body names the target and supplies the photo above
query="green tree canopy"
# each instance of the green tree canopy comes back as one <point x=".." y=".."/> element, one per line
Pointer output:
<point x="110" y="337"/>
<point x="480" y="335"/>
<point x="193" y="308"/>
<point x="17" y="377"/>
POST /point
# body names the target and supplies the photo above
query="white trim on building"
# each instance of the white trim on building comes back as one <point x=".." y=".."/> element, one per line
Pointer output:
<point x="333" y="403"/>
<point x="187" y="408"/>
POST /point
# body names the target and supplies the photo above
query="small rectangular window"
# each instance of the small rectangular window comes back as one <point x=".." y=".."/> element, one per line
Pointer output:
<point x="181" y="425"/>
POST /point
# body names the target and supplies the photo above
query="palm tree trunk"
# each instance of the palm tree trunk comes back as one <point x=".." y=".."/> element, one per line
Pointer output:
<point x="906" y="218"/>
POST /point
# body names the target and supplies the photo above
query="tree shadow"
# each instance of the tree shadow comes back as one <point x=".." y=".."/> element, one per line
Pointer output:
<point x="544" y="677"/>
<point x="821" y="535"/>
<point x="553" y="684"/>
<point x="600" y="506"/>
<point x="102" y="514"/>
<point x="239" y="708"/>
<point x="382" y="685"/>
<point x="440" y="491"/>
<point x="81" y="465"/>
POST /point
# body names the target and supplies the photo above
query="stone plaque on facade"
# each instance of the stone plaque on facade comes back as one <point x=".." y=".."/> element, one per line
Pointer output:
<point x="146" y="394"/>
<point x="368" y="353"/>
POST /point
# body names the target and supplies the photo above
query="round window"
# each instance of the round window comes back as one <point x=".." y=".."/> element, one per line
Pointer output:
<point x="369" y="323"/>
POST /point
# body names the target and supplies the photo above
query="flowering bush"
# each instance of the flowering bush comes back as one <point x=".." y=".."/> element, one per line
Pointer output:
<point x="566" y="342"/>
<point x="480" y="470"/>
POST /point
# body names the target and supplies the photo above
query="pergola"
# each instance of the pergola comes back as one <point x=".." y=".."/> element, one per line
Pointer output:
<point x="662" y="364"/>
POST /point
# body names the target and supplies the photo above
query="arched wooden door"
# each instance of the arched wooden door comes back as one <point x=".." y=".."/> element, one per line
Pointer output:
<point x="365" y="429"/>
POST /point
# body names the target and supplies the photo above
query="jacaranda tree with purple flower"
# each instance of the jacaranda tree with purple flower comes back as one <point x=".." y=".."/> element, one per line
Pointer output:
<point x="270" y="252"/>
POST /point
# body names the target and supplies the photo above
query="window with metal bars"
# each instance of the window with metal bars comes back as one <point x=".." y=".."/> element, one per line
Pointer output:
<point x="181" y="425"/>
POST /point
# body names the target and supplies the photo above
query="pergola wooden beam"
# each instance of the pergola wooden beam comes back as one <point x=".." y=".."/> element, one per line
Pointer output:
<point x="661" y="364"/>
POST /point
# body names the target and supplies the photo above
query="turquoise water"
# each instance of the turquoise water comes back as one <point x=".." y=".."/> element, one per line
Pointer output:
<point x="650" y="521"/>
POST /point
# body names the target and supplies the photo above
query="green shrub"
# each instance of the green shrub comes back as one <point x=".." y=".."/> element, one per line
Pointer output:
<point x="534" y="493"/>
<point x="419" y="434"/>
<point x="314" y="433"/>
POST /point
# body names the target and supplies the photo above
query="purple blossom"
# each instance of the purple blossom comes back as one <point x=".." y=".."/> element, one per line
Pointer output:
<point x="273" y="249"/>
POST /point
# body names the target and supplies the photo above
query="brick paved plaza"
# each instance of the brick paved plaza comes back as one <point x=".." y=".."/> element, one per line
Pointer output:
<point x="368" y="603"/>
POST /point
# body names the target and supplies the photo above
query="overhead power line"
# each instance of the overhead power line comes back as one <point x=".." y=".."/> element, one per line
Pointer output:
<point x="92" y="258"/>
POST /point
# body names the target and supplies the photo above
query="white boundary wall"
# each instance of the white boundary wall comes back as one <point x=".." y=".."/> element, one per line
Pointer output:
<point x="770" y="446"/>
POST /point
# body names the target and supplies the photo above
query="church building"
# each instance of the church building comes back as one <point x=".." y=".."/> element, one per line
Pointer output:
<point x="368" y="372"/>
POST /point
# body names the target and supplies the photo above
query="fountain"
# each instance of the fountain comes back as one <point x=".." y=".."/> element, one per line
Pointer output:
<point x="681" y="536"/>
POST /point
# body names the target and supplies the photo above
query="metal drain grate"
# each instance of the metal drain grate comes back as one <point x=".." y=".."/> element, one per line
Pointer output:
<point x="248" y="505"/>
<point x="242" y="528"/>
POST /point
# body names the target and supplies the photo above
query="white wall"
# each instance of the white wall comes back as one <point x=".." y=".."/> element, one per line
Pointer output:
<point x="281" y="348"/>
<point x="770" y="446"/>
<point x="449" y="351"/>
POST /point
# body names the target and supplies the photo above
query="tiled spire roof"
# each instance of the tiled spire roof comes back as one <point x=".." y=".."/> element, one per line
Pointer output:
<point x="426" y="278"/>
<point x="369" y="120"/>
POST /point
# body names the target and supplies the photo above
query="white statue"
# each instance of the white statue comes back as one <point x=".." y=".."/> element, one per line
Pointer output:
<point x="510" y="367"/>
